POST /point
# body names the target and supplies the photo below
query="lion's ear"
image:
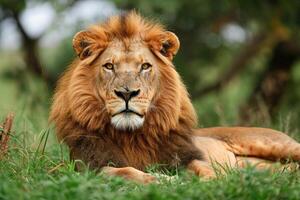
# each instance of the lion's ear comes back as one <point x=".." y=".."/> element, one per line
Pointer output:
<point x="85" y="43"/>
<point x="170" y="45"/>
<point x="81" y="44"/>
<point x="165" y="44"/>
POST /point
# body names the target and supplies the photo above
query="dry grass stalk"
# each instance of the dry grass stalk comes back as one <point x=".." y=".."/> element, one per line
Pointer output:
<point x="5" y="130"/>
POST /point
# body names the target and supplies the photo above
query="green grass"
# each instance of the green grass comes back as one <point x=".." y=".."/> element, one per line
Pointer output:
<point x="38" y="167"/>
<point x="29" y="174"/>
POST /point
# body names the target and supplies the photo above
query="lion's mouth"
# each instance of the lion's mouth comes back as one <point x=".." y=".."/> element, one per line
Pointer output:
<point x="127" y="119"/>
<point x="128" y="111"/>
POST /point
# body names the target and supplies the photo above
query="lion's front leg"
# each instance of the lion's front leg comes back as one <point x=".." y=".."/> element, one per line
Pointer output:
<point x="202" y="169"/>
<point x="130" y="173"/>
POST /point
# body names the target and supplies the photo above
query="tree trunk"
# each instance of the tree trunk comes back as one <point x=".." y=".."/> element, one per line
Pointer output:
<point x="271" y="86"/>
<point x="30" y="46"/>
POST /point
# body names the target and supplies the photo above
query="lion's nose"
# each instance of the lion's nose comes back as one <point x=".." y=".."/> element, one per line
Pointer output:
<point x="127" y="95"/>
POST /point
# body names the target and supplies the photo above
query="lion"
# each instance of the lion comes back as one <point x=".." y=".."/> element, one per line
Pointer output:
<point x="121" y="107"/>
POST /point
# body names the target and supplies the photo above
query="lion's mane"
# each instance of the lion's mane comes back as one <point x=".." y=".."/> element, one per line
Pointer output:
<point x="78" y="112"/>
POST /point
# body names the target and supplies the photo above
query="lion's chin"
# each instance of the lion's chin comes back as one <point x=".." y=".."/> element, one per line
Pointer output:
<point x="127" y="121"/>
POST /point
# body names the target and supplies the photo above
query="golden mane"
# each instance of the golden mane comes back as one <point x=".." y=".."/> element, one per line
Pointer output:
<point x="77" y="109"/>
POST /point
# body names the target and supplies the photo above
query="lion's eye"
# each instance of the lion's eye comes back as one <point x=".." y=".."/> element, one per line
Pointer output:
<point x="146" y="66"/>
<point x="108" y="66"/>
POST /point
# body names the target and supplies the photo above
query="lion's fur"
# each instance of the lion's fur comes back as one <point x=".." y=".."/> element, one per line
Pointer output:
<point x="81" y="119"/>
<point x="167" y="136"/>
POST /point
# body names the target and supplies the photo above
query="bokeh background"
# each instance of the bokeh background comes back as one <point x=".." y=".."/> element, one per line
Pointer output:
<point x="238" y="58"/>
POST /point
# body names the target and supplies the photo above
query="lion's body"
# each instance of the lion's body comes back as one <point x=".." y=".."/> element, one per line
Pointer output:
<point x="228" y="145"/>
<point x="126" y="62"/>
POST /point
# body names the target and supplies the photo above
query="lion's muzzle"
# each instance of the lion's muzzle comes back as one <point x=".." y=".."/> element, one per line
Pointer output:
<point x="127" y="118"/>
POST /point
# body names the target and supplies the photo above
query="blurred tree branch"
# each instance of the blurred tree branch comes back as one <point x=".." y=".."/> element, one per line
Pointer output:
<point x="239" y="62"/>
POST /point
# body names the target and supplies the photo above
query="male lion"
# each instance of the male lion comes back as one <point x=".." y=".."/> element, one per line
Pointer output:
<point x="121" y="106"/>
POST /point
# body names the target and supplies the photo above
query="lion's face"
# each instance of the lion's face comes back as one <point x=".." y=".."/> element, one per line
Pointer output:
<point x="124" y="79"/>
<point x="128" y="78"/>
